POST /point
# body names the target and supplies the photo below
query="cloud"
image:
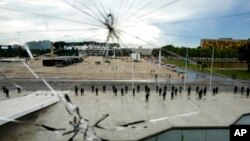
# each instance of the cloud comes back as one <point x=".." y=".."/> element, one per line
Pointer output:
<point x="59" y="19"/>
<point x="2" y="1"/>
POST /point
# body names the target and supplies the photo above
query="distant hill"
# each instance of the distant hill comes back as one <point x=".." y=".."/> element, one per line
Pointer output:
<point x="42" y="45"/>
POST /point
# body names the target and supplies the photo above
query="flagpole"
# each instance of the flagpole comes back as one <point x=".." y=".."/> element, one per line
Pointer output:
<point x="158" y="78"/>
<point x="211" y="71"/>
<point x="185" y="74"/>
<point x="132" y="71"/>
<point x="159" y="58"/>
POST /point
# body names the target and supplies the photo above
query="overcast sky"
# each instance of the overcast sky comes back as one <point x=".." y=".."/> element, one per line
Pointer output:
<point x="149" y="23"/>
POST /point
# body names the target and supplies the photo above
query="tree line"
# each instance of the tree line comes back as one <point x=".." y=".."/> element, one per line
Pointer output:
<point x="241" y="53"/>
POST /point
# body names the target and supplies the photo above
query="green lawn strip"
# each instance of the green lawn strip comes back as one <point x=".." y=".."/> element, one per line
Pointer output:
<point x="240" y="74"/>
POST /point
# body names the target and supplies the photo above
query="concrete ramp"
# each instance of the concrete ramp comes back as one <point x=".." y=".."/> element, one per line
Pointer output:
<point x="18" y="107"/>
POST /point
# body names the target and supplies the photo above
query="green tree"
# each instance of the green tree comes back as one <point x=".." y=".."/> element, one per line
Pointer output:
<point x="199" y="64"/>
<point x="59" y="45"/>
<point x="1" y="51"/>
<point x="203" y="66"/>
<point x="244" y="52"/>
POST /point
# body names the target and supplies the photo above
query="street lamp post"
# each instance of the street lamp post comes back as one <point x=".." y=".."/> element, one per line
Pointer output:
<point x="211" y="71"/>
<point x="132" y="71"/>
<point x="159" y="58"/>
<point x="185" y="74"/>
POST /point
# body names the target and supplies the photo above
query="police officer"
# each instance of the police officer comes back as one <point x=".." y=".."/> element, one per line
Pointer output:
<point x="165" y="88"/>
<point x="104" y="89"/>
<point x="175" y="91"/>
<point x="164" y="95"/>
<point x="4" y="89"/>
<point x="160" y="90"/>
<point x="19" y="90"/>
<point x="93" y="88"/>
<point x="146" y="88"/>
<point x="147" y="97"/>
<point x="96" y="91"/>
<point x="189" y="90"/>
<point x="126" y="89"/>
<point x="180" y="89"/>
<point x="197" y="89"/>
<point x="113" y="87"/>
<point x="76" y="90"/>
<point x="214" y="91"/>
<point x="248" y="90"/>
<point x="205" y="90"/>
<point x="242" y="90"/>
<point x="172" y="95"/>
<point x="138" y="88"/>
<point x="82" y="91"/>
<point x="7" y="93"/>
<point x="217" y="90"/>
<point x="235" y="89"/>
<point x="133" y="92"/>
<point x="173" y="88"/>
<point x="115" y="91"/>
<point x="122" y="92"/>
<point x="200" y="94"/>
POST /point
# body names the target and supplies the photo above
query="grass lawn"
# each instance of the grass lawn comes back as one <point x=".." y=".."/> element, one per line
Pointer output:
<point x="240" y="74"/>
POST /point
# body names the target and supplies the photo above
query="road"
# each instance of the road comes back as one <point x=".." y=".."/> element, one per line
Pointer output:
<point x="68" y="84"/>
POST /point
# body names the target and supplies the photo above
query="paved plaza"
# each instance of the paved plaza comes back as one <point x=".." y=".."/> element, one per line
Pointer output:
<point x="124" y="70"/>
<point x="118" y="69"/>
<point x="16" y="107"/>
<point x="14" y="94"/>
<point x="220" y="110"/>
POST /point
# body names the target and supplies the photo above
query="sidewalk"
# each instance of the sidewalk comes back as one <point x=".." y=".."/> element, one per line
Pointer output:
<point x="220" y="110"/>
<point x="20" y="106"/>
<point x="13" y="94"/>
